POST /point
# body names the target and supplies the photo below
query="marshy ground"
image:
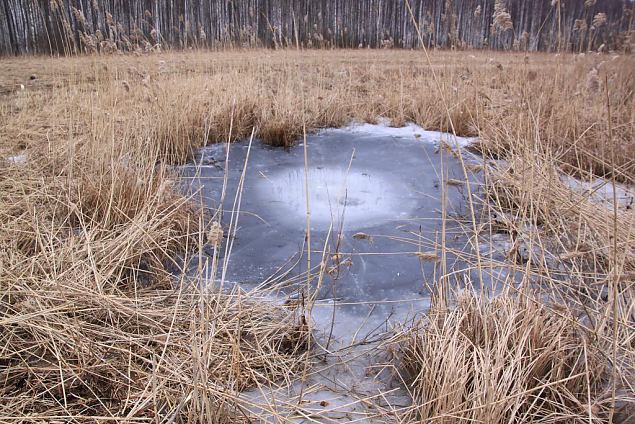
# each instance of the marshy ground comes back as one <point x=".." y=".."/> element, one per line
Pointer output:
<point x="99" y="321"/>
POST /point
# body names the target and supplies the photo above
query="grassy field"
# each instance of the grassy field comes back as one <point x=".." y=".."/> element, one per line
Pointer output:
<point x="93" y="325"/>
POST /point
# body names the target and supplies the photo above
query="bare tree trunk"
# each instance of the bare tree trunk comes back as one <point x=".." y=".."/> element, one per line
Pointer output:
<point x="74" y="26"/>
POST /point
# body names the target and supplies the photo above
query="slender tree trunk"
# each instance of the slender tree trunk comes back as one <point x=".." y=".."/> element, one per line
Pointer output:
<point x="54" y="27"/>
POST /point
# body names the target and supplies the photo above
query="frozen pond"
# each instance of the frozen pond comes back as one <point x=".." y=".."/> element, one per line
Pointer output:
<point x="379" y="195"/>
<point x="376" y="201"/>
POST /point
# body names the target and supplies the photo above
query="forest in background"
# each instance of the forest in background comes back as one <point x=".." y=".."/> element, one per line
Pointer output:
<point x="105" y="26"/>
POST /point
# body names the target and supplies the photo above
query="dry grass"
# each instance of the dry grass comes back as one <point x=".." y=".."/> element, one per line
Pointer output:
<point x="97" y="320"/>
<point x="94" y="323"/>
<point x="279" y="91"/>
<point x="503" y="360"/>
<point x="557" y="344"/>
<point x="509" y="359"/>
<point x="573" y="249"/>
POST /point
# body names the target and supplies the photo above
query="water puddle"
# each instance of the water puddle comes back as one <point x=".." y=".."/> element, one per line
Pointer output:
<point x="376" y="202"/>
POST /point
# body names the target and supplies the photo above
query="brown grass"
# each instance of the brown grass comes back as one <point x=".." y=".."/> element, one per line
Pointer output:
<point x="97" y="320"/>
<point x="94" y="323"/>
<point x="504" y="360"/>
<point x="557" y="344"/>
<point x="279" y="91"/>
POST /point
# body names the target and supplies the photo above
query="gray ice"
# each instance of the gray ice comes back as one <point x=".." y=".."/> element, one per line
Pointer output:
<point x="375" y="197"/>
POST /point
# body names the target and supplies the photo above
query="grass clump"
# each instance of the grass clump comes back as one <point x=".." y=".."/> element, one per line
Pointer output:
<point x="98" y="319"/>
<point x="510" y="359"/>
<point x="95" y="321"/>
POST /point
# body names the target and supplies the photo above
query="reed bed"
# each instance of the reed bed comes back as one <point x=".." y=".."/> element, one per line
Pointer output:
<point x="549" y="336"/>
<point x="98" y="322"/>
<point x="280" y="91"/>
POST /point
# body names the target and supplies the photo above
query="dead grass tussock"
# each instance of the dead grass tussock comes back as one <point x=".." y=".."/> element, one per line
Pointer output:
<point x="503" y="360"/>
<point x="574" y="250"/>
<point x="71" y="349"/>
<point x="565" y="353"/>
<point x="94" y="318"/>
<point x="93" y="322"/>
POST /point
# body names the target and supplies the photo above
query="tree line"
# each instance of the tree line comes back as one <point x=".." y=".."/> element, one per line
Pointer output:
<point x="85" y="26"/>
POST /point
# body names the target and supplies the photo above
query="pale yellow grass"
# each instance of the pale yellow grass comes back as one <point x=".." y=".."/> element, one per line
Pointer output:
<point x="94" y="324"/>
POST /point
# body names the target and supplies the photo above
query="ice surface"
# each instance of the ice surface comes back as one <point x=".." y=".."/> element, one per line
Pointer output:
<point x="601" y="190"/>
<point x="386" y="187"/>
<point x="361" y="199"/>
<point x="410" y="130"/>
<point x="379" y="191"/>
<point x="17" y="159"/>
